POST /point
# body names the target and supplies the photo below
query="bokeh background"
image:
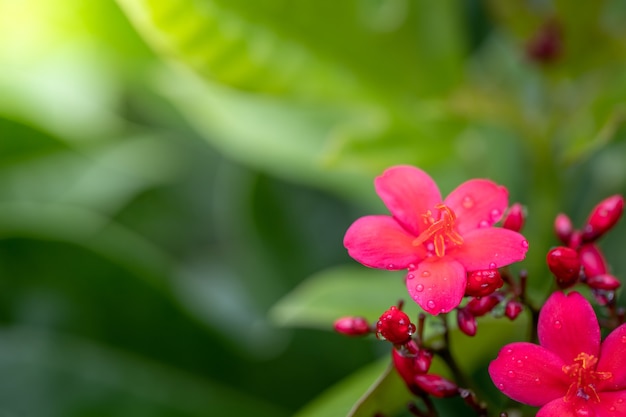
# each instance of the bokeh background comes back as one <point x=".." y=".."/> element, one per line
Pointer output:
<point x="176" y="177"/>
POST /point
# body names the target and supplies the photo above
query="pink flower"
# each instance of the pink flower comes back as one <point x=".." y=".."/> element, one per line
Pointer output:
<point x="570" y="374"/>
<point x="439" y="241"/>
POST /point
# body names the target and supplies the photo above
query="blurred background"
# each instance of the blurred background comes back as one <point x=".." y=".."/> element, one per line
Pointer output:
<point x="176" y="178"/>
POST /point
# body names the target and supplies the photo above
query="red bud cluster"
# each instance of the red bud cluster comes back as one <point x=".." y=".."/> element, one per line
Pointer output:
<point x="483" y="282"/>
<point x="352" y="326"/>
<point x="581" y="260"/>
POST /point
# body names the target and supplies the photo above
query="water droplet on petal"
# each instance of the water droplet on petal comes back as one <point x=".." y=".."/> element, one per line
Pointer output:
<point x="483" y="224"/>
<point x="425" y="274"/>
<point x="411" y="267"/>
<point x="411" y="329"/>
<point x="583" y="411"/>
<point x="510" y="374"/>
<point x="520" y="363"/>
<point x="556" y="324"/>
<point x="410" y="276"/>
<point x="501" y="387"/>
<point x="508" y="351"/>
<point x="495" y="214"/>
<point x="430" y="304"/>
<point x="623" y="339"/>
<point x="391" y="266"/>
<point x="620" y="400"/>
<point x="468" y="202"/>
<point x="419" y="288"/>
<point x="525" y="244"/>
<point x="537" y="381"/>
<point x="493" y="265"/>
<point x="612" y="408"/>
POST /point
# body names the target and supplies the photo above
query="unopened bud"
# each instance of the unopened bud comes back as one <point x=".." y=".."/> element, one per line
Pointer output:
<point x="563" y="228"/>
<point x="466" y="321"/>
<point x="564" y="263"/>
<point x="409" y="360"/>
<point x="483" y="305"/>
<point x="352" y="326"/>
<point x="546" y="46"/>
<point x="603" y="217"/>
<point x="436" y="385"/>
<point x="604" y="282"/>
<point x="483" y="282"/>
<point x="515" y="218"/>
<point x="513" y="309"/>
<point x="395" y="326"/>
<point x="592" y="261"/>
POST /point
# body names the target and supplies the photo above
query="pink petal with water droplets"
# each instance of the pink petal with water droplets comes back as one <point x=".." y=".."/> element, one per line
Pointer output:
<point x="408" y="192"/>
<point x="477" y="203"/>
<point x="529" y="374"/>
<point x="613" y="360"/>
<point x="611" y="404"/>
<point x="380" y="242"/>
<point x="437" y="286"/>
<point x="490" y="248"/>
<point x="568" y="326"/>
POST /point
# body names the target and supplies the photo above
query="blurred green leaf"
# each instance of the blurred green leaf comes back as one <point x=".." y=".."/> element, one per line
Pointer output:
<point x="376" y="388"/>
<point x="278" y="47"/>
<point x="57" y="375"/>
<point x="340" y="291"/>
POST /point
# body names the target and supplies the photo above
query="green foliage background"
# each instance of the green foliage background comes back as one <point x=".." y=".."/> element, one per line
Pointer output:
<point x="176" y="177"/>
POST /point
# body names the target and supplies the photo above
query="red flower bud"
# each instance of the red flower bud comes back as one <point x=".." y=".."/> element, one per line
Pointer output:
<point x="563" y="228"/>
<point x="436" y="385"/>
<point x="395" y="326"/>
<point x="466" y="321"/>
<point x="546" y="45"/>
<point x="352" y="326"/>
<point x="409" y="360"/>
<point x="565" y="265"/>
<point x="483" y="305"/>
<point x="592" y="260"/>
<point x="482" y="283"/>
<point x="604" y="282"/>
<point x="603" y="217"/>
<point x="515" y="218"/>
<point x="513" y="309"/>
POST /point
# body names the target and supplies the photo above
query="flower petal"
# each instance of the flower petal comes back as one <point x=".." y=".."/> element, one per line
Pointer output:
<point x="437" y="286"/>
<point x="529" y="374"/>
<point x="489" y="248"/>
<point x="611" y="404"/>
<point x="613" y="360"/>
<point x="477" y="203"/>
<point x="380" y="242"/>
<point x="568" y="326"/>
<point x="408" y="192"/>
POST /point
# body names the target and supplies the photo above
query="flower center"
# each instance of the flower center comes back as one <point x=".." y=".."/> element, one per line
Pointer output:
<point x="584" y="378"/>
<point x="441" y="231"/>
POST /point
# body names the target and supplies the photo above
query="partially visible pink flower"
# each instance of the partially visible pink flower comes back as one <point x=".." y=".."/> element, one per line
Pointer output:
<point x="571" y="373"/>
<point x="437" y="240"/>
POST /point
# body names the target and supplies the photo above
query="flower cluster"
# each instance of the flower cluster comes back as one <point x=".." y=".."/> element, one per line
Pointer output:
<point x="456" y="259"/>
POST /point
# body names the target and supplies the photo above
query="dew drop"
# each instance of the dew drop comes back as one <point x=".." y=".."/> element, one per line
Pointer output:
<point x="411" y="267"/>
<point x="468" y="202"/>
<point x="612" y="408"/>
<point x="410" y="276"/>
<point x="425" y="274"/>
<point x="623" y="339"/>
<point x="391" y="266"/>
<point x="501" y="387"/>
<point x="495" y="214"/>
<point x="493" y="265"/>
<point x="525" y="244"/>
<point x="430" y="247"/>
<point x="620" y="400"/>
<point x="537" y="381"/>
<point x="419" y="288"/>
<point x="520" y="363"/>
<point x="509" y="351"/>
<point x="483" y="224"/>
<point x="430" y="304"/>
<point x="583" y="411"/>
<point x="557" y="324"/>
<point x="510" y="374"/>
<point x="411" y="329"/>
